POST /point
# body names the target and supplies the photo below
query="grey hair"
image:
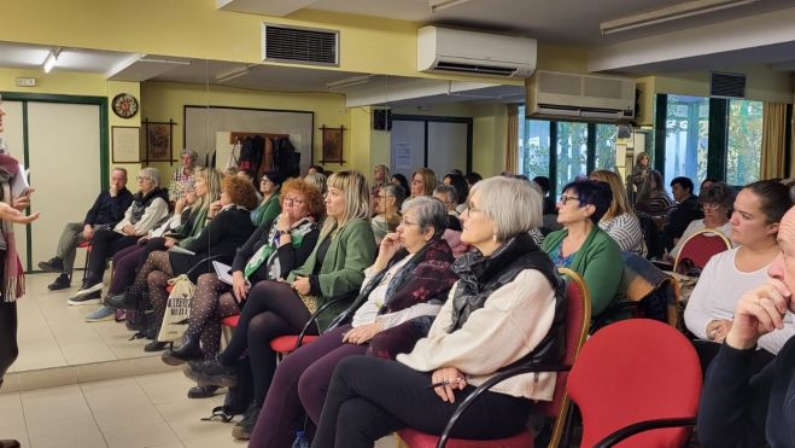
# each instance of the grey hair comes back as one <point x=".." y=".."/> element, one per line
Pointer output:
<point x="152" y="173"/>
<point x="396" y="191"/>
<point x="513" y="204"/>
<point x="430" y="212"/>
<point x="449" y="190"/>
<point x="194" y="156"/>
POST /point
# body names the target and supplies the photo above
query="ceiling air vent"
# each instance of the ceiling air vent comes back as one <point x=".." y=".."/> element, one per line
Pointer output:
<point x="300" y="45"/>
<point x="728" y="85"/>
<point x="475" y="69"/>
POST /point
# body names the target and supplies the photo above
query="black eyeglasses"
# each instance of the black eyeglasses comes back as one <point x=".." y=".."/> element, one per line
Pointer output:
<point x="564" y="199"/>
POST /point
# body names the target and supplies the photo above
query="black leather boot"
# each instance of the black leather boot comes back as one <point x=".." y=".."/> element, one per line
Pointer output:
<point x="188" y="351"/>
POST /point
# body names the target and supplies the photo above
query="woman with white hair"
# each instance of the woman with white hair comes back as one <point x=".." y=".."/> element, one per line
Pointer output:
<point x="506" y="308"/>
<point x="149" y="208"/>
<point x="183" y="176"/>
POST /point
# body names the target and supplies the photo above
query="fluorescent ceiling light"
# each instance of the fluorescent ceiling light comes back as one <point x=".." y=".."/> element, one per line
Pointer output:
<point x="438" y="5"/>
<point x="349" y="82"/>
<point x="52" y="58"/>
<point x="670" y="13"/>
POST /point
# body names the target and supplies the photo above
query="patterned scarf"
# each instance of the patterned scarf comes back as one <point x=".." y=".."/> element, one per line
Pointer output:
<point x="13" y="274"/>
<point x="269" y="248"/>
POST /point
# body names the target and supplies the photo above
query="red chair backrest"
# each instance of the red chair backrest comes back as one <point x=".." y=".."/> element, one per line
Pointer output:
<point x="699" y="248"/>
<point x="631" y="371"/>
<point x="578" y="321"/>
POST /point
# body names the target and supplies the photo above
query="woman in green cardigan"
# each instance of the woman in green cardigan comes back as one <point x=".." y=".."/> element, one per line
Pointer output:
<point x="334" y="269"/>
<point x="582" y="246"/>
<point x="270" y="207"/>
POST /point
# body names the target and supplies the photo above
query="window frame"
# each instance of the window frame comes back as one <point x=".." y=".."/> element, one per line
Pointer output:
<point x="590" y="160"/>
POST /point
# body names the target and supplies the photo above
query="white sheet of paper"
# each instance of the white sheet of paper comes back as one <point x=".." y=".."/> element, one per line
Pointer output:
<point x="223" y="272"/>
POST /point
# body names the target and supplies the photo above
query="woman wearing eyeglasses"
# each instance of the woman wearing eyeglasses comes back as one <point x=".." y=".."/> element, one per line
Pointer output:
<point x="277" y="247"/>
<point x="334" y="269"/>
<point x="716" y="201"/>
<point x="582" y="246"/>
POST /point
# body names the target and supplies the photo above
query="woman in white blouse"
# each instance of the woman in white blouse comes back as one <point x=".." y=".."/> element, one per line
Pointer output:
<point x="401" y="293"/>
<point x="754" y="226"/>
<point x="505" y="309"/>
<point x="619" y="221"/>
<point x="716" y="201"/>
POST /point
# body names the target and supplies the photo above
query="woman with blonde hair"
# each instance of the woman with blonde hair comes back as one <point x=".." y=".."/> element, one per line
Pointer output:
<point x="187" y="222"/>
<point x="423" y="181"/>
<point x="641" y="177"/>
<point x="334" y="269"/>
<point x="620" y="221"/>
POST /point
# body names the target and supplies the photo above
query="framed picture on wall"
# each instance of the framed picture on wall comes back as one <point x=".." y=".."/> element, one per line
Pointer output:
<point x="332" y="144"/>
<point x="159" y="138"/>
<point x="126" y="144"/>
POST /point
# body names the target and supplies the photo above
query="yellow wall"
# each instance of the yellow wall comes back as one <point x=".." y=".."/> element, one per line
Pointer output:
<point x="162" y="101"/>
<point x="61" y="82"/>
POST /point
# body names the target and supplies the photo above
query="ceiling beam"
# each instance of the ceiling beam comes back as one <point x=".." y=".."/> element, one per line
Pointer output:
<point x="276" y="8"/>
<point x="747" y="33"/>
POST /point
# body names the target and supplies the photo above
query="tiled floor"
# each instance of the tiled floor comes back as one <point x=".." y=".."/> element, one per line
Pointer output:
<point x="149" y="411"/>
<point x="54" y="334"/>
<point x="145" y="411"/>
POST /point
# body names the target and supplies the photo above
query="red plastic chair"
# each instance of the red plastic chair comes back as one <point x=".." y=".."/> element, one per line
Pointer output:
<point x="701" y="246"/>
<point x="88" y="247"/>
<point x="578" y="319"/>
<point x="636" y="382"/>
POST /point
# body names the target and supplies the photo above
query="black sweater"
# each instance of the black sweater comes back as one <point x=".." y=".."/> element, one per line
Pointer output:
<point x="290" y="257"/>
<point x="108" y="210"/>
<point x="219" y="240"/>
<point x="742" y="409"/>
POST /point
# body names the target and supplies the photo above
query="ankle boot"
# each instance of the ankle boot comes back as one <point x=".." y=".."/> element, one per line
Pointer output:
<point x="188" y="351"/>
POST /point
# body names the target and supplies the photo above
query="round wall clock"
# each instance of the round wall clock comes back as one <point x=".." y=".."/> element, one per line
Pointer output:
<point x="125" y="105"/>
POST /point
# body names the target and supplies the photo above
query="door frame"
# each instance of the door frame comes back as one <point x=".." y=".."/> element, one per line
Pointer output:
<point x="104" y="165"/>
<point x="441" y="119"/>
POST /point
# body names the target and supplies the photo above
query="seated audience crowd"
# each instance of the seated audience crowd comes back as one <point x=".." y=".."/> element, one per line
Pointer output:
<point x="418" y="291"/>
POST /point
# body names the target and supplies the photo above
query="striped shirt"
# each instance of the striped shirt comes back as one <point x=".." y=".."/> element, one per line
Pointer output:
<point x="625" y="230"/>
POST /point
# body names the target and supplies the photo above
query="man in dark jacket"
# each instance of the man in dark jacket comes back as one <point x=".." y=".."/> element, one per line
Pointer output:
<point x="739" y="407"/>
<point x="108" y="209"/>
<point x="687" y="209"/>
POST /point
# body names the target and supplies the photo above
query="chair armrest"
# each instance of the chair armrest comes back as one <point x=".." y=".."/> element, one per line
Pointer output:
<point x="317" y="314"/>
<point x="480" y="390"/>
<point x="636" y="428"/>
<point x="202" y="261"/>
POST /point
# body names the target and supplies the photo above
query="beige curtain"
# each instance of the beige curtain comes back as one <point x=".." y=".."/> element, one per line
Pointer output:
<point x="774" y="131"/>
<point x="512" y="150"/>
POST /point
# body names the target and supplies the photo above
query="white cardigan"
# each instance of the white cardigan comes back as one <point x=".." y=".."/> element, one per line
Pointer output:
<point x="512" y="322"/>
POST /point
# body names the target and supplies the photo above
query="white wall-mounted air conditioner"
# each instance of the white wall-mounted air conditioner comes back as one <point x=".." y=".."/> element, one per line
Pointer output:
<point x="469" y="52"/>
<point x="580" y="97"/>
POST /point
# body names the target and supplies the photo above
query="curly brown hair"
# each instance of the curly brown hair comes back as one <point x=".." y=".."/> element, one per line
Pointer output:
<point x="241" y="191"/>
<point x="312" y="196"/>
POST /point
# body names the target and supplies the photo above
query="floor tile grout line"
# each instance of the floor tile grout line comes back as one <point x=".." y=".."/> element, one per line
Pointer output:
<point x="154" y="405"/>
<point x="93" y="416"/>
<point x="24" y="417"/>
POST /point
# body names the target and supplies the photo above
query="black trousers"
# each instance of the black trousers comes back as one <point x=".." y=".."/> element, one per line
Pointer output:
<point x="272" y="309"/>
<point x="8" y="336"/>
<point x="104" y="245"/>
<point x="371" y="397"/>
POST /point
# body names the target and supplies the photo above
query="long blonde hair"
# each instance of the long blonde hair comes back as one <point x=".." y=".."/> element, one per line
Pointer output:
<point x="620" y="203"/>
<point x="357" y="197"/>
<point x="212" y="178"/>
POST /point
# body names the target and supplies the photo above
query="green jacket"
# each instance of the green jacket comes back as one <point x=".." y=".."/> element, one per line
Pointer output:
<point x="600" y="263"/>
<point x="266" y="211"/>
<point x="350" y="252"/>
<point x="194" y="226"/>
